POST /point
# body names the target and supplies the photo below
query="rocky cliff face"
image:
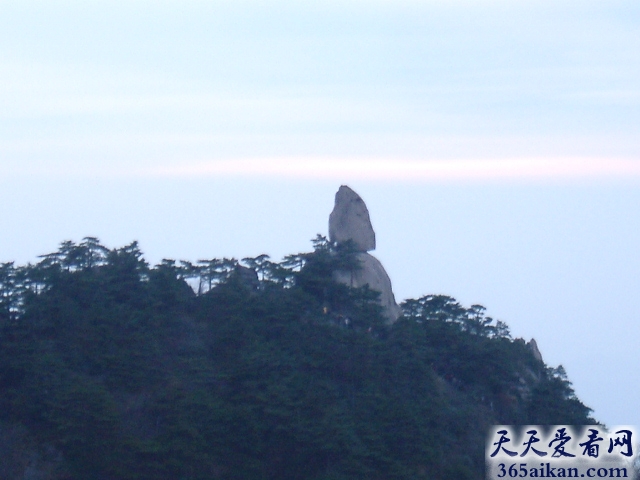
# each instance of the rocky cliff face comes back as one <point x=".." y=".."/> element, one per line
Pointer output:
<point x="533" y="346"/>
<point x="350" y="220"/>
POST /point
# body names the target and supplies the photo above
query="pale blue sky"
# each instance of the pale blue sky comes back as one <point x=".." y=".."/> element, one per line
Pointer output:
<point x="495" y="143"/>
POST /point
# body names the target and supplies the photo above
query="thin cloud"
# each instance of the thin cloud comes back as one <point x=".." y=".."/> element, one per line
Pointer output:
<point x="409" y="170"/>
<point x="348" y="169"/>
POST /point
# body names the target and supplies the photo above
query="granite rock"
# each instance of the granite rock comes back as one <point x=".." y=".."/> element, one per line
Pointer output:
<point x="372" y="273"/>
<point x="533" y="346"/>
<point x="349" y="220"/>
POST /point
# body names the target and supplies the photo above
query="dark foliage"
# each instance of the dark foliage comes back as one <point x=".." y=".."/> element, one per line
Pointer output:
<point x="111" y="369"/>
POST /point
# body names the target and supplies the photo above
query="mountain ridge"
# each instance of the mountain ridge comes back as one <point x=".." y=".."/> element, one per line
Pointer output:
<point x="111" y="368"/>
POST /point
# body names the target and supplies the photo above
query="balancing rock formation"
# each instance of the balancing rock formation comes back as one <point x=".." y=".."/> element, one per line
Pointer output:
<point x="350" y="220"/>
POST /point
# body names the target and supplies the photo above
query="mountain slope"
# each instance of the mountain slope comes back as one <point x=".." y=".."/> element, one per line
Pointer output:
<point x="112" y="369"/>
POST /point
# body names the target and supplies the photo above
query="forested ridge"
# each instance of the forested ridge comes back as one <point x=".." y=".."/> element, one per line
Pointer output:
<point x="114" y="369"/>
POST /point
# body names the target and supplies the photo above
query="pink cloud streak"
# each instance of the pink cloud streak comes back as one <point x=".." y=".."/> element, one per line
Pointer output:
<point x="410" y="170"/>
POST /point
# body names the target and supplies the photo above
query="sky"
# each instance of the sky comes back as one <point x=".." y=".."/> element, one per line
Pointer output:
<point x="494" y="142"/>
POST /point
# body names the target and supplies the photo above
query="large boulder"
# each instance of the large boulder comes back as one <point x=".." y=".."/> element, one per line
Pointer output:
<point x="372" y="273"/>
<point x="349" y="220"/>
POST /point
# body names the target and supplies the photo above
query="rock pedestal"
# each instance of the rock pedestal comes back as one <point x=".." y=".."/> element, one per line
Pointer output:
<point x="350" y="220"/>
<point x="372" y="273"/>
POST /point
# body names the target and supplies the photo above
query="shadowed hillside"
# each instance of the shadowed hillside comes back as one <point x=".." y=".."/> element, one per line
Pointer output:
<point x="112" y="369"/>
